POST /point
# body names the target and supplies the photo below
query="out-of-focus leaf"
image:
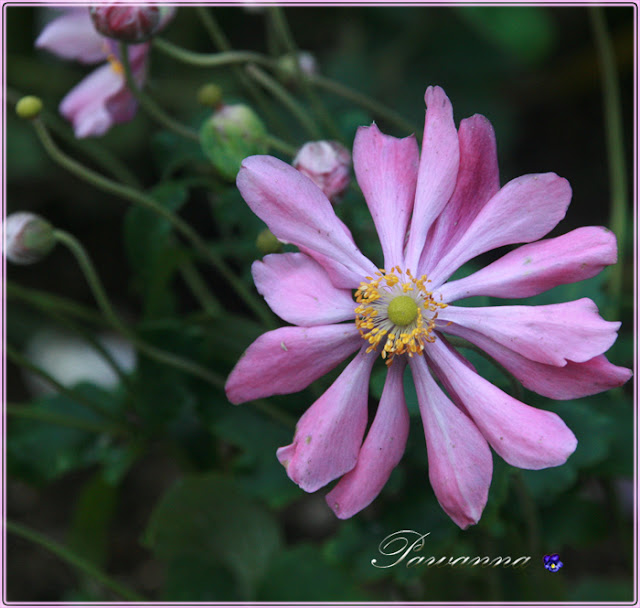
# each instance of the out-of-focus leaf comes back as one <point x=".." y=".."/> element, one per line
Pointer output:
<point x="573" y="522"/>
<point x="601" y="590"/>
<point x="208" y="519"/>
<point x="194" y="579"/>
<point x="171" y="152"/>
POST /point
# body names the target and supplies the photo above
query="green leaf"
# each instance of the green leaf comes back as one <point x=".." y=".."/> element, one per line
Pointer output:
<point x="171" y="152"/>
<point x="601" y="590"/>
<point x="207" y="519"/>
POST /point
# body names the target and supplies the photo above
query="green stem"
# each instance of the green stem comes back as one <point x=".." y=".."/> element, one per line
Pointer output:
<point x="280" y="93"/>
<point x="35" y="413"/>
<point x="16" y="358"/>
<point x="376" y="108"/>
<point x="276" y="414"/>
<point x="281" y="27"/>
<point x="150" y="106"/>
<point x="97" y="289"/>
<point x="280" y="146"/>
<point x="529" y="512"/>
<point x="215" y="32"/>
<point x="615" y="147"/>
<point x="99" y="181"/>
<point x="73" y="559"/>
<point x="199" y="288"/>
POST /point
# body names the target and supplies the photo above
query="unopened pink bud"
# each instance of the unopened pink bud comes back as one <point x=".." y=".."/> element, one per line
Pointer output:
<point x="128" y="23"/>
<point x="328" y="164"/>
<point x="28" y="238"/>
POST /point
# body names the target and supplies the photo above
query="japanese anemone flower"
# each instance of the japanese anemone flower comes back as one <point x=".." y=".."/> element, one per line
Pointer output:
<point x="433" y="212"/>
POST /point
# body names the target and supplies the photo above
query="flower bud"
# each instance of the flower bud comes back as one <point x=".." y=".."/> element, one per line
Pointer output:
<point x="230" y="135"/>
<point x="268" y="243"/>
<point x="209" y="95"/>
<point x="129" y="23"/>
<point x="28" y="238"/>
<point x="29" y="107"/>
<point x="328" y="165"/>
<point x="306" y="63"/>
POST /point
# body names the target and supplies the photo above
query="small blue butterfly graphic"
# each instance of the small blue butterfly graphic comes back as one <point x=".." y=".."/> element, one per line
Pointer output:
<point x="552" y="562"/>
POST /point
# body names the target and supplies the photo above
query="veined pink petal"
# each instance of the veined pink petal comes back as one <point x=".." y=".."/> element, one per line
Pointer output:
<point x="123" y="105"/>
<point x="72" y="36"/>
<point x="537" y="267"/>
<point x="381" y="452"/>
<point x="460" y="462"/>
<point x="85" y="105"/>
<point x="299" y="291"/>
<point x="437" y="173"/>
<point x="387" y="169"/>
<point x="551" y="334"/>
<point x="288" y="359"/>
<point x="523" y="210"/>
<point x="478" y="180"/>
<point x="526" y="437"/>
<point x="572" y="381"/>
<point x="329" y="434"/>
<point x="297" y="211"/>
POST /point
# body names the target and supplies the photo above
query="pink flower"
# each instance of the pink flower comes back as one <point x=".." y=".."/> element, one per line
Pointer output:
<point x="433" y="212"/>
<point x="102" y="99"/>
<point x="328" y="164"/>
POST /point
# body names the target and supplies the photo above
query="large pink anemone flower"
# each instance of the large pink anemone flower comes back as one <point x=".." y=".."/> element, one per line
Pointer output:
<point x="433" y="212"/>
<point x="102" y="99"/>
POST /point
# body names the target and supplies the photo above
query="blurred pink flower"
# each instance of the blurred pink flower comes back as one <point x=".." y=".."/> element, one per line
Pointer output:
<point x="328" y="164"/>
<point x="433" y="211"/>
<point x="102" y="99"/>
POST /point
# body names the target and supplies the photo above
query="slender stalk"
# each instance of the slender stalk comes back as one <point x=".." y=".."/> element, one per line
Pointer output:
<point x="215" y="32"/>
<point x="529" y="511"/>
<point x="615" y="146"/>
<point x="73" y="559"/>
<point x="280" y="146"/>
<point x="15" y="357"/>
<point x="200" y="290"/>
<point x="276" y="414"/>
<point x="280" y="93"/>
<point x="50" y="417"/>
<point x="136" y="197"/>
<point x="100" y="295"/>
<point x="150" y="106"/>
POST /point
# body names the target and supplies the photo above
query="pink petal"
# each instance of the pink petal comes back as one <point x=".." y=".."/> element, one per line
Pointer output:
<point x="297" y="212"/>
<point x="478" y="180"/>
<point x="329" y="434"/>
<point x="299" y="291"/>
<point x="572" y="381"/>
<point x="387" y="169"/>
<point x="288" y="359"/>
<point x="537" y="267"/>
<point x="551" y="334"/>
<point x="85" y="105"/>
<point x="72" y="36"/>
<point x="437" y="173"/>
<point x="460" y="462"/>
<point x="381" y="452"/>
<point x="523" y="210"/>
<point x="526" y="437"/>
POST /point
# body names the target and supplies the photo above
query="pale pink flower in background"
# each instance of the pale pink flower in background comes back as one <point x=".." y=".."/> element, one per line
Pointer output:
<point x="433" y="212"/>
<point x="102" y="99"/>
<point x="328" y="164"/>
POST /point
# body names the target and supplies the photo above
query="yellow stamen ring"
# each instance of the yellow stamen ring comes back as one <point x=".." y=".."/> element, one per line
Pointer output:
<point x="396" y="311"/>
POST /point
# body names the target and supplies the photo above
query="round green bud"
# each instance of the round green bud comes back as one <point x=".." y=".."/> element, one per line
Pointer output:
<point x="28" y="238"/>
<point x="268" y="243"/>
<point x="402" y="310"/>
<point x="29" y="107"/>
<point x="210" y="95"/>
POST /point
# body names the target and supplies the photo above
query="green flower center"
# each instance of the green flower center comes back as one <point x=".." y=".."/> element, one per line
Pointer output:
<point x="402" y="310"/>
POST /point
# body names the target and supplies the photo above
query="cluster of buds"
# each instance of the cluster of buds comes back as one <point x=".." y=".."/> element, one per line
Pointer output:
<point x="327" y="164"/>
<point x="130" y="23"/>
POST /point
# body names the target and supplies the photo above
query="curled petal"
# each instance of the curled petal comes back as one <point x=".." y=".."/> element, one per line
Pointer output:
<point x="478" y="180"/>
<point x="297" y="211"/>
<point x="537" y="267"/>
<point x="380" y="453"/>
<point x="523" y="210"/>
<point x="72" y="36"/>
<point x="329" y="434"/>
<point x="299" y="291"/>
<point x="288" y="359"/>
<point x="572" y="381"/>
<point x="387" y="169"/>
<point x="437" y="172"/>
<point x="551" y="334"/>
<point x="526" y="437"/>
<point x="460" y="462"/>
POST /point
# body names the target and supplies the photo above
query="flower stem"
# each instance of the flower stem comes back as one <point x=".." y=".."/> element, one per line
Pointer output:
<point x="615" y="146"/>
<point x="198" y="287"/>
<point x="160" y="355"/>
<point x="150" y="106"/>
<point x="280" y="146"/>
<point x="136" y="197"/>
<point x="280" y="93"/>
<point x="74" y="559"/>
